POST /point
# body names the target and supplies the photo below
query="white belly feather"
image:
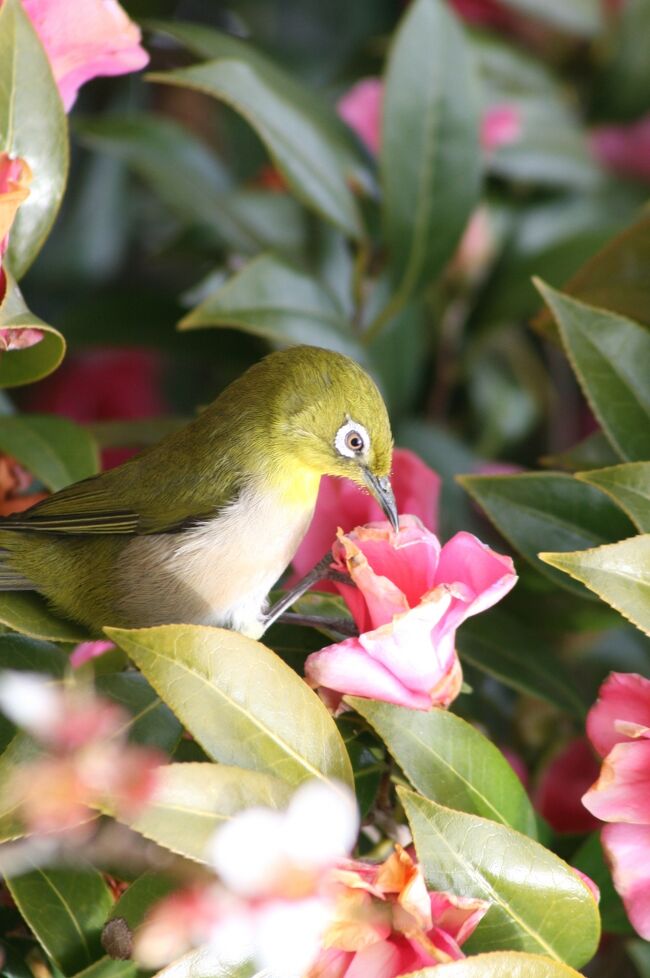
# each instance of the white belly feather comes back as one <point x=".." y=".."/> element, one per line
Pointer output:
<point x="217" y="573"/>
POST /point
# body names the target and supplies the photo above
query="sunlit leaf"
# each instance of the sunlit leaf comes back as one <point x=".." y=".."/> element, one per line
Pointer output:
<point x="499" y="964"/>
<point x="629" y="486"/>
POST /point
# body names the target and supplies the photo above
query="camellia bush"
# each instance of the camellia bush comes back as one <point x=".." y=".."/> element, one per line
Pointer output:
<point x="444" y="768"/>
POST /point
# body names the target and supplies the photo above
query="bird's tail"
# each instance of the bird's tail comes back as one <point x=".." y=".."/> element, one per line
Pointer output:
<point x="10" y="578"/>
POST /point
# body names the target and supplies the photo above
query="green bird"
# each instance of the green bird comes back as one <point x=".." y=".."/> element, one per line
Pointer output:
<point x="198" y="528"/>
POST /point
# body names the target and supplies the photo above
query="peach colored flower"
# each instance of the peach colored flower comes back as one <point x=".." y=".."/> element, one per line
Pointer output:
<point x="618" y="726"/>
<point x="84" y="39"/>
<point x="410" y="596"/>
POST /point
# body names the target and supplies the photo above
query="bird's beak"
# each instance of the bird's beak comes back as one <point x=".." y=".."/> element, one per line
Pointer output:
<point x="382" y="490"/>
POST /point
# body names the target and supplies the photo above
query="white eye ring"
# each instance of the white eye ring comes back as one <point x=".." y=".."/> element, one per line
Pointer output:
<point x="346" y="434"/>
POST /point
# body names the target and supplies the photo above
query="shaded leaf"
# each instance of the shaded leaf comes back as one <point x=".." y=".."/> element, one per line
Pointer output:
<point x="152" y="722"/>
<point x="33" y="126"/>
<point x="449" y="761"/>
<point x="55" y="450"/>
<point x="19" y="367"/>
<point x="499" y="964"/>
<point x="618" y="573"/>
<point x="27" y="612"/>
<point x="30" y="655"/>
<point x="593" y="452"/>
<point x="629" y="486"/>
<point x="590" y="859"/>
<point x="239" y="700"/>
<point x="109" y="968"/>
<point x="137" y="899"/>
<point x="611" y="359"/>
<point x="539" y="904"/>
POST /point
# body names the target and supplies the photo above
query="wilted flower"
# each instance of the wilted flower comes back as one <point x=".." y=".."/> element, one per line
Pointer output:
<point x="618" y="726"/>
<point x="386" y="923"/>
<point x="85" y="39"/>
<point x="410" y="597"/>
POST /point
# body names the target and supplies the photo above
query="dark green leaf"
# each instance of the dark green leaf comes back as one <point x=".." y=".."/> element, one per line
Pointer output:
<point x="27" y="612"/>
<point x="55" y="450"/>
<point x="450" y="762"/>
<point x="593" y="452"/>
<point x="590" y="860"/>
<point x="629" y="486"/>
<point x="152" y="722"/>
<point x="19" y="367"/>
<point x="29" y="655"/>
<point x="141" y="895"/>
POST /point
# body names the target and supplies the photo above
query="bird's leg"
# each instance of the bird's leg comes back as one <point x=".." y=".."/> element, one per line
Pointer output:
<point x="323" y="571"/>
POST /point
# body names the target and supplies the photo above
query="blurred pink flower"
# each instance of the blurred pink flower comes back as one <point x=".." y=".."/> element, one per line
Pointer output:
<point x="476" y="248"/>
<point x="86" y="651"/>
<point x="619" y="728"/>
<point x="84" y="39"/>
<point x="489" y="13"/>
<point x="410" y="597"/>
<point x="564" y="780"/>
<point x="360" y="107"/>
<point x="624" y="148"/>
<point x="386" y="924"/>
<point x="343" y="504"/>
<point x="500" y="126"/>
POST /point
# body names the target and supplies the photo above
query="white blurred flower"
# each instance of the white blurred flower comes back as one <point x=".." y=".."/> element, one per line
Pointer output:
<point x="31" y="701"/>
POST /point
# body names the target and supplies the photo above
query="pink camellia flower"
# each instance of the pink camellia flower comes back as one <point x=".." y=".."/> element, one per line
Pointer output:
<point x="624" y="148"/>
<point x="87" y="651"/>
<point x="500" y="126"/>
<point x="85" y="39"/>
<point x="618" y="726"/>
<point x="343" y="504"/>
<point x="411" y="595"/>
<point x="386" y="923"/>
<point x="564" y="780"/>
<point x="360" y="107"/>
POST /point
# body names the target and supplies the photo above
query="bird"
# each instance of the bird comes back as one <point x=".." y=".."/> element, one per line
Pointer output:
<point x="198" y="527"/>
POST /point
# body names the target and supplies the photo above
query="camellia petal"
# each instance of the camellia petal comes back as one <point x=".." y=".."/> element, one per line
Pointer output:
<point x="622" y="792"/>
<point x="628" y="851"/>
<point x="622" y="697"/>
<point x="15" y="178"/>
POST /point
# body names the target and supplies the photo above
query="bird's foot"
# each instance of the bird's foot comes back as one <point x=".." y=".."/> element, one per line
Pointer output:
<point x="323" y="571"/>
<point x="342" y="626"/>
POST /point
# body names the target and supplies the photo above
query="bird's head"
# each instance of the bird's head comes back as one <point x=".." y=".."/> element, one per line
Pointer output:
<point x="331" y="417"/>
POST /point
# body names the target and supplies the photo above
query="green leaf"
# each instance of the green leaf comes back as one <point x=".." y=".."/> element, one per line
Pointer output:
<point x="191" y="801"/>
<point x="225" y="688"/>
<point x="27" y="612"/>
<point x="141" y="895"/>
<point x="590" y="859"/>
<point x="272" y="299"/>
<point x="451" y="762"/>
<point x="429" y="137"/>
<point x="593" y="452"/>
<point x="298" y="145"/>
<point x="538" y="904"/>
<point x="66" y="910"/>
<point x="32" y="126"/>
<point x="499" y="964"/>
<point x="611" y="359"/>
<point x="618" y="573"/>
<point x="541" y="510"/>
<point x="152" y="722"/>
<point x="629" y="486"/>
<point x="29" y="655"/>
<point x="33" y="362"/>
<point x="204" y="962"/>
<point x="55" y="450"/>
<point x="517" y="656"/>
<point x="21" y="751"/>
<point x="109" y="968"/>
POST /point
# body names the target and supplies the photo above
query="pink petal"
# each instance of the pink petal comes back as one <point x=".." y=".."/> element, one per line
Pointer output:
<point x="500" y="126"/>
<point x="376" y="599"/>
<point x="380" y="960"/>
<point x="84" y="40"/>
<point x="347" y="668"/>
<point x="360" y="107"/>
<point x="19" y="339"/>
<point x="457" y="916"/>
<point x="86" y="651"/>
<point x="484" y="575"/>
<point x="589" y="883"/>
<point x="622" y="792"/>
<point x="623" y="696"/>
<point x="564" y="780"/>
<point x="628" y="851"/>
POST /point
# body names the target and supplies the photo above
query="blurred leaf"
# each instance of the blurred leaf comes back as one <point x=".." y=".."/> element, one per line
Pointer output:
<point x="611" y="358"/>
<point x="629" y="486"/>
<point x="538" y="903"/>
<point x="33" y="362"/>
<point x="618" y="573"/>
<point x="21" y="751"/>
<point x="55" y="450"/>
<point x="27" y="612"/>
<point x="499" y="964"/>
<point x="28" y="655"/>
<point x="589" y="858"/>
<point x="141" y="895"/>
<point x="204" y="962"/>
<point x="399" y="351"/>
<point x="66" y="909"/>
<point x="299" y="146"/>
<point x="32" y="126"/>
<point x="593" y="452"/>
<point x="429" y="136"/>
<point x="616" y="278"/>
<point x="152" y="722"/>
<point x="517" y="656"/>
<point x="639" y="951"/>
<point x="582" y="17"/>
<point x="536" y="510"/>
<point x="450" y="762"/>
<point x="192" y="181"/>
<point x="191" y="801"/>
<point x="108" y="968"/>
<point x="272" y="299"/>
<point x="622" y="88"/>
<point x="225" y="688"/>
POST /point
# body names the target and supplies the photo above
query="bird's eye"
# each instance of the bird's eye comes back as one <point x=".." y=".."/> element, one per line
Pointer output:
<point x="352" y="439"/>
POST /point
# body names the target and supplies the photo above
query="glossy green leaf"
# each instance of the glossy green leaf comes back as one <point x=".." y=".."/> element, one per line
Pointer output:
<point x="33" y="126"/>
<point x="541" y="510"/>
<point x="27" y="612"/>
<point x="271" y="298"/>
<point x="151" y="721"/>
<point x="449" y="761"/>
<point x="299" y="147"/>
<point x="225" y="688"/>
<point x="66" y="909"/>
<point x="499" y="964"/>
<point x="19" y="367"/>
<point x="611" y="358"/>
<point x="618" y="573"/>
<point x="191" y="801"/>
<point x="55" y="450"/>
<point x="629" y="486"/>
<point x="20" y="751"/>
<point x="429" y="137"/>
<point x="538" y="904"/>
